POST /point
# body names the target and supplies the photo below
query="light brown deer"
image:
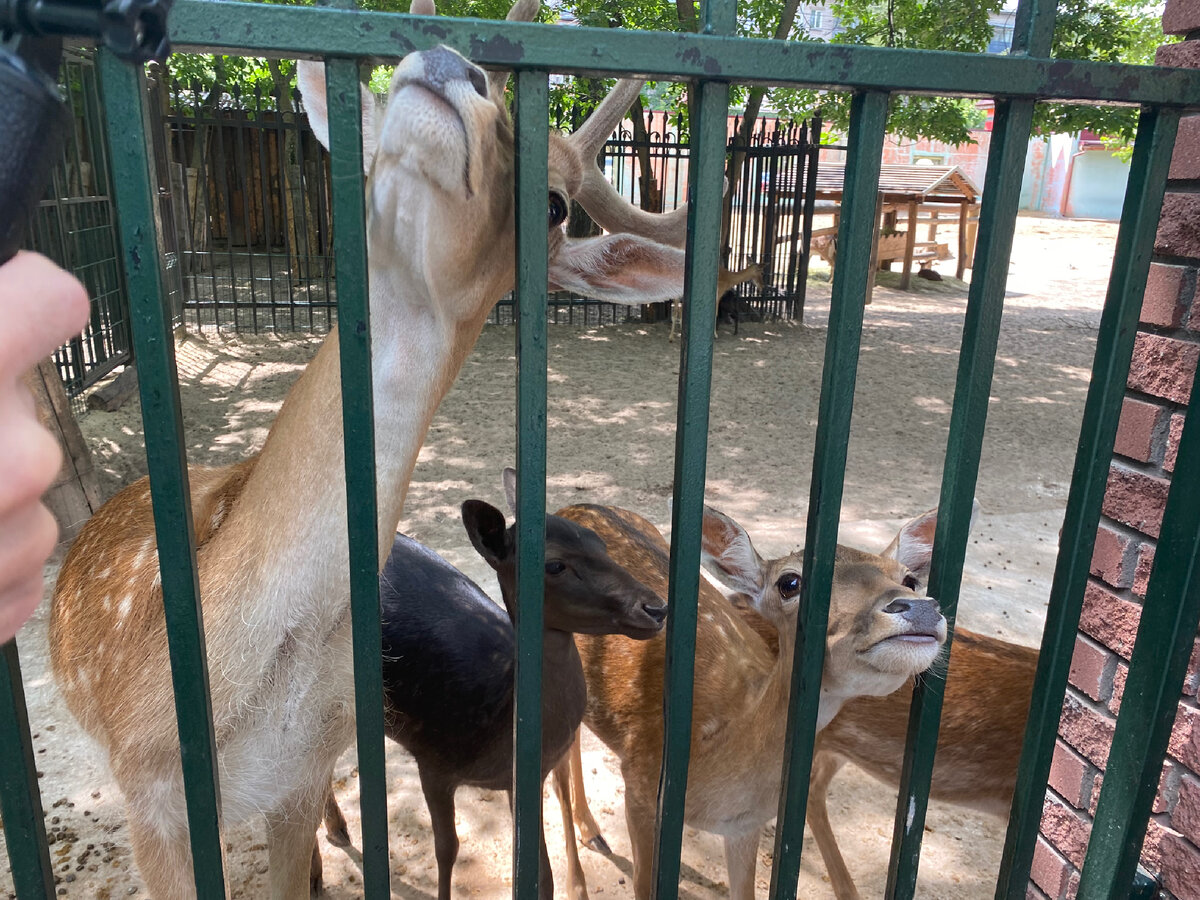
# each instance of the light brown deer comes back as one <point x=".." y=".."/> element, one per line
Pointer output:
<point x="881" y="633"/>
<point x="726" y="282"/>
<point x="983" y="724"/>
<point x="271" y="531"/>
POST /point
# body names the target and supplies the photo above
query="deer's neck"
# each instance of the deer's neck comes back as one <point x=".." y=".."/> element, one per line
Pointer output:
<point x="285" y="545"/>
<point x="564" y="693"/>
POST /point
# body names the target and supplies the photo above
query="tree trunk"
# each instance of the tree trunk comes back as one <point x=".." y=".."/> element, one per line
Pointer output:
<point x="289" y="171"/>
<point x="733" y="172"/>
<point x="651" y="193"/>
<point x="75" y="494"/>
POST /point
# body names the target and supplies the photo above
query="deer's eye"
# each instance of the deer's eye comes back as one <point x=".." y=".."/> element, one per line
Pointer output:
<point x="557" y="212"/>
<point x="910" y="582"/>
<point x="789" y="585"/>
<point x="555" y="567"/>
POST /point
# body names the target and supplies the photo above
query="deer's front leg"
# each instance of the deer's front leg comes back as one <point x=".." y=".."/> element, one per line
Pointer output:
<point x="741" y="853"/>
<point x="291" y="836"/>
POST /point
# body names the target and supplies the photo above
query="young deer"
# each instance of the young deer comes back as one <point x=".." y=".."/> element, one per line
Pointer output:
<point x="271" y="535"/>
<point x="983" y="723"/>
<point x="726" y="282"/>
<point x="448" y="654"/>
<point x="881" y="633"/>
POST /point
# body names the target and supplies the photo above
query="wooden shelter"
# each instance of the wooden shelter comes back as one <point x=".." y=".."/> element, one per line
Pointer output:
<point x="923" y="195"/>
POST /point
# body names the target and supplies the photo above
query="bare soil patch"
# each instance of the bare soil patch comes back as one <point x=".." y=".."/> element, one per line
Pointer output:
<point x="612" y="430"/>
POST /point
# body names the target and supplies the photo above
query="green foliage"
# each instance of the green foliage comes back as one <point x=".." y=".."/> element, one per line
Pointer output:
<point x="1106" y="30"/>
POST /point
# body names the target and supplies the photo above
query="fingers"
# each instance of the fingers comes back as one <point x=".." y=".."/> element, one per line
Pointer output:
<point x="27" y="537"/>
<point x="42" y="306"/>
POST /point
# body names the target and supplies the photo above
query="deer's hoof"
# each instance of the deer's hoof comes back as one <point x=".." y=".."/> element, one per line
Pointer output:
<point x="599" y="844"/>
<point x="339" y="837"/>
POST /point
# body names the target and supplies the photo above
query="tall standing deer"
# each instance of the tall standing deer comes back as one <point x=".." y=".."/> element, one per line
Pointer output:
<point x="449" y="652"/>
<point x="881" y="633"/>
<point x="271" y="533"/>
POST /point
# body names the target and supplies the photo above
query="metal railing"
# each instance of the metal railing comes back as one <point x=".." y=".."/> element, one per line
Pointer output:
<point x="711" y="59"/>
<point x="75" y="225"/>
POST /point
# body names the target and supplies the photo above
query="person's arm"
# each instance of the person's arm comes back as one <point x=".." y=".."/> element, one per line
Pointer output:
<point x="41" y="306"/>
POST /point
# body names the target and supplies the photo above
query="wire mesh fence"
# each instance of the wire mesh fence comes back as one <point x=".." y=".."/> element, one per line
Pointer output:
<point x="249" y="199"/>
<point x="75" y="225"/>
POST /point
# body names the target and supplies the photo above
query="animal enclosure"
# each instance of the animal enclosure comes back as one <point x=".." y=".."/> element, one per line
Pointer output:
<point x="871" y="75"/>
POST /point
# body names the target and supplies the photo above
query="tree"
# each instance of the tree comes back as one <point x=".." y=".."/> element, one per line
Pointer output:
<point x="1104" y="30"/>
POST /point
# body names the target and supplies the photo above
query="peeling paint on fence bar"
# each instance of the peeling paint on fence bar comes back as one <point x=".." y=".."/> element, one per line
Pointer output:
<point x="868" y="118"/>
<point x="530" y="133"/>
<point x="123" y="88"/>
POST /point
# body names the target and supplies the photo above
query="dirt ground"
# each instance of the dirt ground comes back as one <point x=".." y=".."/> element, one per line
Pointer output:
<point x="612" y="423"/>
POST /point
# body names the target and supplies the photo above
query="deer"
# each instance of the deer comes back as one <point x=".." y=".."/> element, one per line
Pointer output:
<point x="271" y="537"/>
<point x="990" y="682"/>
<point x="881" y="632"/>
<point x="449" y="652"/>
<point x="726" y="282"/>
<point x="977" y="756"/>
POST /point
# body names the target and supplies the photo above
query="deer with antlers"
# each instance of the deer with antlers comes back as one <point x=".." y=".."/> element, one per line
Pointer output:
<point x="271" y="535"/>
<point x="881" y="632"/>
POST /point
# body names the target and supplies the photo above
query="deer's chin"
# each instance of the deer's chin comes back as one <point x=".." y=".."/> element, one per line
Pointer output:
<point x="425" y="131"/>
<point x="904" y="654"/>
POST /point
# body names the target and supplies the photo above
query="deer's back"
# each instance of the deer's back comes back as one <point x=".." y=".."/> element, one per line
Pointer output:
<point x="448" y="654"/>
<point x="107" y="629"/>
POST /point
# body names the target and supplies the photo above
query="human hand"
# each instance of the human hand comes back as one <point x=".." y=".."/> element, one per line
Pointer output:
<point x="41" y="306"/>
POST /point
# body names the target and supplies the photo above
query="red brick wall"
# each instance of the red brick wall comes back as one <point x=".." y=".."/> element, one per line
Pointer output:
<point x="1164" y="361"/>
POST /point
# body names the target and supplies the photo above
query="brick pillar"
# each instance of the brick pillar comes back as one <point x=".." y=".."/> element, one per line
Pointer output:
<point x="1164" y="361"/>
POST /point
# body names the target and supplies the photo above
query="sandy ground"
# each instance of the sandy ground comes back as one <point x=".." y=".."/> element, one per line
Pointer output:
<point x="612" y="423"/>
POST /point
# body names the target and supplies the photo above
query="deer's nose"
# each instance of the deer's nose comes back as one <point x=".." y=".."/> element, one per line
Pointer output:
<point x="657" y="613"/>
<point x="897" y="606"/>
<point x="443" y="65"/>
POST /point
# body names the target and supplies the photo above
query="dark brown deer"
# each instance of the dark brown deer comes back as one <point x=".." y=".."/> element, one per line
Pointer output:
<point x="448" y="655"/>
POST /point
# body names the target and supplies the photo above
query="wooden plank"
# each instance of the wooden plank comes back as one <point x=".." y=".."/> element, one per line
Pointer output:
<point x="909" y="246"/>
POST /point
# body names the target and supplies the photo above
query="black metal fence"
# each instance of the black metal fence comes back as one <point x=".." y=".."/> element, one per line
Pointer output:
<point x="76" y="227"/>
<point x="249" y="210"/>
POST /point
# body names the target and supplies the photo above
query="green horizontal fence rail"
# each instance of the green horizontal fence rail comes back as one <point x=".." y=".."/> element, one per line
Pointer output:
<point x="711" y="60"/>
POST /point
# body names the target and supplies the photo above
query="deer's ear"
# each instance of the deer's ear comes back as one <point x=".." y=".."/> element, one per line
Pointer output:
<point x="618" y="268"/>
<point x="509" y="479"/>
<point x="912" y="547"/>
<point x="310" y="76"/>
<point x="485" y="527"/>
<point x="726" y="552"/>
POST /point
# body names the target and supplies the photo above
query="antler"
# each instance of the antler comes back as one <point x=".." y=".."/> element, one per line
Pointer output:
<point x="610" y="210"/>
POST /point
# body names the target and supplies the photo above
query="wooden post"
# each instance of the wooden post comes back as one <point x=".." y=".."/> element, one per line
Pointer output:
<point x="962" y="242"/>
<point x="910" y="243"/>
<point x="75" y="494"/>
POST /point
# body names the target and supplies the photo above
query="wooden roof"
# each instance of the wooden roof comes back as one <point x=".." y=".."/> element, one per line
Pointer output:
<point x="906" y="183"/>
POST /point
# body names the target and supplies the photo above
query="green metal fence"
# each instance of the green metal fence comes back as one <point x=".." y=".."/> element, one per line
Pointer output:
<point x="711" y="59"/>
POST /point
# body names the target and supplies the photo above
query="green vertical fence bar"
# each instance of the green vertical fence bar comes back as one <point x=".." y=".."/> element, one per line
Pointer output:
<point x="868" y="118"/>
<point x="123" y="89"/>
<point x="530" y="133"/>
<point x="705" y="179"/>
<point x="354" y="344"/>
<point x="20" y="800"/>
<point x="1114" y="348"/>
<point x="976" y="361"/>
<point x="1157" y="668"/>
